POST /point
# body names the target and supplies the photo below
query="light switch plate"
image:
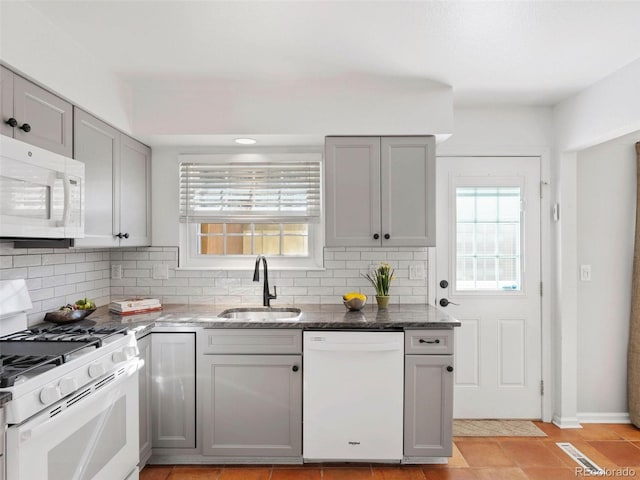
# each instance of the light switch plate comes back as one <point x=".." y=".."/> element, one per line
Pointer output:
<point x="416" y="271"/>
<point x="116" y="272"/>
<point x="160" y="272"/>
<point x="585" y="273"/>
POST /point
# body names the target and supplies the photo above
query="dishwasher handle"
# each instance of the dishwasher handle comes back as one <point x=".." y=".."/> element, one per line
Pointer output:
<point x="355" y="347"/>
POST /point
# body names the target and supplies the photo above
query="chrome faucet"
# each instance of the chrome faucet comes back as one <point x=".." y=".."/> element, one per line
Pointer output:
<point x="266" y="296"/>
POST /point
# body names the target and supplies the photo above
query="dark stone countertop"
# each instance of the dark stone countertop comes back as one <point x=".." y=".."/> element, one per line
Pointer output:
<point x="329" y="317"/>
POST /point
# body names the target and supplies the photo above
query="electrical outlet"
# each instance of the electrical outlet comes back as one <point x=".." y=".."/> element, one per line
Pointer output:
<point x="416" y="271"/>
<point x="585" y="273"/>
<point x="116" y="272"/>
<point x="160" y="272"/>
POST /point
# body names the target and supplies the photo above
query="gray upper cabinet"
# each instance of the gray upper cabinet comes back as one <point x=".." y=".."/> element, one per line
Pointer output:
<point x="34" y="115"/>
<point x="380" y="191"/>
<point x="134" y="193"/>
<point x="118" y="183"/>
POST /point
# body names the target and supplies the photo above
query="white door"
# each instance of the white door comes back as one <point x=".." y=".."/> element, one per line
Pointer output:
<point x="488" y="267"/>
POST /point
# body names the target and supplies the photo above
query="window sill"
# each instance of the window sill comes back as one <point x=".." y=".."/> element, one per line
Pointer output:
<point x="250" y="269"/>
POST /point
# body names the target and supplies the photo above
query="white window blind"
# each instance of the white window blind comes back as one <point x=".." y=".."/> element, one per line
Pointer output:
<point x="250" y="192"/>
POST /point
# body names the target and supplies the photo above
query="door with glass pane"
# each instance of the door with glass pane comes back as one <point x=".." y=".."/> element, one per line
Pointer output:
<point x="488" y="276"/>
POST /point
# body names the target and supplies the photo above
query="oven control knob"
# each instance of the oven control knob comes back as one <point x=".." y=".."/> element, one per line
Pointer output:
<point x="96" y="369"/>
<point x="119" y="357"/>
<point x="67" y="385"/>
<point x="49" y="394"/>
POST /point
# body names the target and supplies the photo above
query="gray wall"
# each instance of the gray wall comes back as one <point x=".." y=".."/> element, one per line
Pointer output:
<point x="606" y="201"/>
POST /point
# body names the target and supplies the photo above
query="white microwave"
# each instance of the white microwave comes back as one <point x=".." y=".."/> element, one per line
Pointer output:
<point x="41" y="192"/>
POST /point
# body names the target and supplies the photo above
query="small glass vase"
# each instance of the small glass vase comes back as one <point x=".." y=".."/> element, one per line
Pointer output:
<point x="383" y="300"/>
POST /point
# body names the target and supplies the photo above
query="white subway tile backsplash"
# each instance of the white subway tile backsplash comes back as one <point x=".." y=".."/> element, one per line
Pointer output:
<point x="42" y="271"/>
<point x="56" y="277"/>
<point x="27" y="260"/>
<point x="62" y="269"/>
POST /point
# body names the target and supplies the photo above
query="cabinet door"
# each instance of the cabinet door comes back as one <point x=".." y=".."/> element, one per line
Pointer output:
<point x="144" y="397"/>
<point x="6" y="100"/>
<point x="49" y="117"/>
<point x="408" y="168"/>
<point x="97" y="145"/>
<point x="352" y="174"/>
<point x="252" y="405"/>
<point x="135" y="193"/>
<point x="173" y="402"/>
<point x="428" y="413"/>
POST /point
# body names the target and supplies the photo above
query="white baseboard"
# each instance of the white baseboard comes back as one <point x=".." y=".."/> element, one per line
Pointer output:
<point x="566" y="422"/>
<point x="597" y="417"/>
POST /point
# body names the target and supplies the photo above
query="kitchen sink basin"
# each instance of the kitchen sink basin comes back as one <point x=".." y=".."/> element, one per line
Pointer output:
<point x="262" y="314"/>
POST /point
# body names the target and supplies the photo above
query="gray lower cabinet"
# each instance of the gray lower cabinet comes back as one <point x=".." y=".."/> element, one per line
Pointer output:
<point x="144" y="397"/>
<point x="428" y="397"/>
<point x="251" y="402"/>
<point x="173" y="390"/>
<point x="34" y="115"/>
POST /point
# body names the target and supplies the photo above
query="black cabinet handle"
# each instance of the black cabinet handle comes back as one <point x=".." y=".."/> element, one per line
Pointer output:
<point x="12" y="122"/>
<point x="422" y="340"/>
<point x="295" y="368"/>
<point x="387" y="236"/>
<point x="449" y="368"/>
<point x="26" y="127"/>
<point x="376" y="236"/>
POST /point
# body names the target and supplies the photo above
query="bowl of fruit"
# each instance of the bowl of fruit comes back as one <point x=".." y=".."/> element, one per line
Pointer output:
<point x="69" y="313"/>
<point x="354" y="301"/>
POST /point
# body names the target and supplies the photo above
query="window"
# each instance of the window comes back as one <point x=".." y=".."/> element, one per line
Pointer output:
<point x="488" y="232"/>
<point x="234" y="207"/>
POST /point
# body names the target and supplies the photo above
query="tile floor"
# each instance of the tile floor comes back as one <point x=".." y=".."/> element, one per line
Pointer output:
<point x="612" y="447"/>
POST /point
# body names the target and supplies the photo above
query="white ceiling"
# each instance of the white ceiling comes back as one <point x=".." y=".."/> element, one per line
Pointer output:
<point x="499" y="52"/>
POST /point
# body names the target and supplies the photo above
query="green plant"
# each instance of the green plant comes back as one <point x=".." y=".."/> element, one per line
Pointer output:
<point x="380" y="278"/>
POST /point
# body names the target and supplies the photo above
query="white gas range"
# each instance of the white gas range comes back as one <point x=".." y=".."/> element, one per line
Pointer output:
<point x="73" y="412"/>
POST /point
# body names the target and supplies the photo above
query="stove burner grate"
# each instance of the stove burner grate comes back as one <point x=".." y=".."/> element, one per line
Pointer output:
<point x="12" y="366"/>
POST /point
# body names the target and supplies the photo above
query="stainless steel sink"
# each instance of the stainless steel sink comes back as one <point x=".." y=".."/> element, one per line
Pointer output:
<point x="263" y="314"/>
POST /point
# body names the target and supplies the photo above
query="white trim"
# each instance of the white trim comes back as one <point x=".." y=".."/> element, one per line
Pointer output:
<point x="606" y="417"/>
<point x="566" y="422"/>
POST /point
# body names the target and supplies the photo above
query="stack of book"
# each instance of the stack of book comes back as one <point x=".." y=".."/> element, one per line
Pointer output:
<point x="131" y="306"/>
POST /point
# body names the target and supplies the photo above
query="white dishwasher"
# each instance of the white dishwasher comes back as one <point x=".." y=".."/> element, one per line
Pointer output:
<point x="353" y="396"/>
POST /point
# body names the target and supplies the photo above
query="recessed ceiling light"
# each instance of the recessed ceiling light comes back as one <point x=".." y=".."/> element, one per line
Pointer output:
<point x="245" y="141"/>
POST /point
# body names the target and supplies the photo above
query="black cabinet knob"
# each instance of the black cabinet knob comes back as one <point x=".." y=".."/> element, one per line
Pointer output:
<point x="26" y="127"/>
<point x="12" y="122"/>
<point x="387" y="236"/>
<point x="295" y="368"/>
<point x="126" y="235"/>
<point x="449" y="368"/>
<point x="376" y="236"/>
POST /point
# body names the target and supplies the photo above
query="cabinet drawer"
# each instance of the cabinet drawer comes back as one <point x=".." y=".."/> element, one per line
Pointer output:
<point x="428" y="342"/>
<point x="250" y="341"/>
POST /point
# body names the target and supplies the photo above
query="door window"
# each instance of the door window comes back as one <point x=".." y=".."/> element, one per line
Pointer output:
<point x="488" y="239"/>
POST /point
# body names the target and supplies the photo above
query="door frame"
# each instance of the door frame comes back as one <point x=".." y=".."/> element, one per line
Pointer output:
<point x="548" y="290"/>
